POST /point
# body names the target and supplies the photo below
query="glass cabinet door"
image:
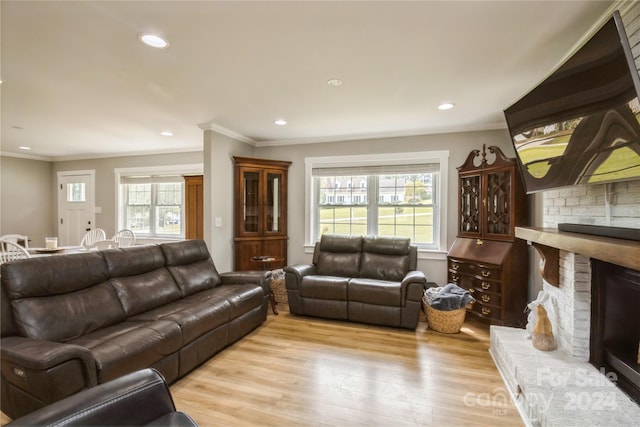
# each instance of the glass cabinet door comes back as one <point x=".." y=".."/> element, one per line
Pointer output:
<point x="251" y="201"/>
<point x="273" y="202"/>
<point x="498" y="203"/>
<point x="469" y="221"/>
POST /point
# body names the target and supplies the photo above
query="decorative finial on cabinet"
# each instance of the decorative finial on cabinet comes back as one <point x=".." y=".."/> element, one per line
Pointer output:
<point x="484" y="154"/>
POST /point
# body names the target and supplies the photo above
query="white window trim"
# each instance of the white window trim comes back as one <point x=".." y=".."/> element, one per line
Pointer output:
<point x="187" y="169"/>
<point x="441" y="157"/>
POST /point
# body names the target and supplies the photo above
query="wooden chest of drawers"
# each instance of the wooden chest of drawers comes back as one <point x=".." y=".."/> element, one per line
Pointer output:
<point x="487" y="259"/>
<point x="496" y="277"/>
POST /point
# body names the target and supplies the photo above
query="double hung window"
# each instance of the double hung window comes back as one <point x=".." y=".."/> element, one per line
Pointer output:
<point x="153" y="206"/>
<point x="151" y="200"/>
<point x="396" y="195"/>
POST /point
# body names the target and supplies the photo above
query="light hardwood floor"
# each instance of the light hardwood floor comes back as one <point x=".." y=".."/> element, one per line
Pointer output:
<point x="299" y="371"/>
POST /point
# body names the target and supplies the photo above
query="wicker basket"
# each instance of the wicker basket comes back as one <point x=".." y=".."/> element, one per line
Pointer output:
<point x="447" y="322"/>
<point x="279" y="291"/>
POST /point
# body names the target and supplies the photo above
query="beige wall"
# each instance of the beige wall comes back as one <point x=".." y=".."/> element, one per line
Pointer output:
<point x="105" y="178"/>
<point x="218" y="166"/>
<point x="458" y="144"/>
<point x="218" y="189"/>
<point x="26" y="198"/>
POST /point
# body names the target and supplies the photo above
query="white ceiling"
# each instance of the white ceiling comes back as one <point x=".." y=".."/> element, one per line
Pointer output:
<point x="78" y="83"/>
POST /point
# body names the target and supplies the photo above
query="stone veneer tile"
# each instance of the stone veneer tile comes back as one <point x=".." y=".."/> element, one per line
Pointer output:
<point x="555" y="390"/>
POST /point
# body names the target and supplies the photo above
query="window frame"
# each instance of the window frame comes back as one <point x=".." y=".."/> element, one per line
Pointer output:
<point x="186" y="169"/>
<point x="441" y="157"/>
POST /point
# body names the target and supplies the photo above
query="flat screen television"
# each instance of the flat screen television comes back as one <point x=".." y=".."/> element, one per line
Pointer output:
<point x="581" y="124"/>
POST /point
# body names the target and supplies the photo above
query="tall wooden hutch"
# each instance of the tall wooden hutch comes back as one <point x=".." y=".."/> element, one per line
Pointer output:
<point x="486" y="258"/>
<point x="260" y="212"/>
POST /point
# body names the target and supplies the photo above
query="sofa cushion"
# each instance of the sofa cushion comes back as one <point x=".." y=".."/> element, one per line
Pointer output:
<point x="340" y="244"/>
<point x="64" y="317"/>
<point x="146" y="291"/>
<point x="133" y="260"/>
<point x="196" y="314"/>
<point x="129" y="346"/>
<point x="385" y="258"/>
<point x="53" y="275"/>
<point x="324" y="287"/>
<point x="387" y="245"/>
<point x="191" y="266"/>
<point x="196" y="277"/>
<point x="384" y="267"/>
<point x="378" y="292"/>
<point x="338" y="255"/>
<point x="243" y="298"/>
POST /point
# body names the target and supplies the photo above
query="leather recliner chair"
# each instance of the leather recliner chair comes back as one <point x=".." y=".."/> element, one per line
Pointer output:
<point x="136" y="399"/>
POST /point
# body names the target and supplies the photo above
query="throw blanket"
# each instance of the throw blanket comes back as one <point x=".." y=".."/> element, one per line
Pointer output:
<point x="451" y="297"/>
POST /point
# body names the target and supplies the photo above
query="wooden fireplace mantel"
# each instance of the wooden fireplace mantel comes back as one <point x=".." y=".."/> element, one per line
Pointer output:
<point x="550" y="241"/>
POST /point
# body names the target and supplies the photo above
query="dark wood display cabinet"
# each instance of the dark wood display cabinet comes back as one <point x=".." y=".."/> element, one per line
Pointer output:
<point x="260" y="211"/>
<point x="486" y="258"/>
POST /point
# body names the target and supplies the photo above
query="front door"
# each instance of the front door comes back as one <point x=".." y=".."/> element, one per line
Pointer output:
<point x="76" y="205"/>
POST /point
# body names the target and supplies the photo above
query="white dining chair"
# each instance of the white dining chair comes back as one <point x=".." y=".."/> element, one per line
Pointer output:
<point x="125" y="238"/>
<point x="11" y="251"/>
<point x="16" y="238"/>
<point x="100" y="245"/>
<point x="93" y="236"/>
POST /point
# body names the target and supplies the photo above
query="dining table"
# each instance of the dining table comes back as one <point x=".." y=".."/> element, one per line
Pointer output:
<point x="60" y="250"/>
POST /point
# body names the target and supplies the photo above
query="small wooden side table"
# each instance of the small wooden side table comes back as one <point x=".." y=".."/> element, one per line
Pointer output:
<point x="264" y="263"/>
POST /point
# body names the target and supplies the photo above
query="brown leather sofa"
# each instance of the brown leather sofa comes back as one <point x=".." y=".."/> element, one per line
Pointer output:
<point x="140" y="398"/>
<point x="70" y="322"/>
<point x="362" y="279"/>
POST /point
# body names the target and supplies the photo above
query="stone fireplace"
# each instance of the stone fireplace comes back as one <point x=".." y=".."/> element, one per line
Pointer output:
<point x="571" y="385"/>
<point x="615" y="324"/>
<point x="571" y="300"/>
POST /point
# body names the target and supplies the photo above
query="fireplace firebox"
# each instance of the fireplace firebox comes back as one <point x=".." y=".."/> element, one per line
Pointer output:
<point x="615" y="324"/>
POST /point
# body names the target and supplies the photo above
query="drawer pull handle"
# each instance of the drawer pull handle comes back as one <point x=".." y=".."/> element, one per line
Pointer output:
<point x="486" y="285"/>
<point x="455" y="266"/>
<point x="486" y="298"/>
<point x="471" y="290"/>
<point x="486" y="310"/>
<point x="485" y="273"/>
<point x="455" y="278"/>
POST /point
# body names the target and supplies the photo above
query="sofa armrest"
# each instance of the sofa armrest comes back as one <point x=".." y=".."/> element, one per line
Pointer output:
<point x="258" y="277"/>
<point x="138" y="398"/>
<point x="295" y="273"/>
<point x="413" y="286"/>
<point x="47" y="371"/>
<point x="43" y="355"/>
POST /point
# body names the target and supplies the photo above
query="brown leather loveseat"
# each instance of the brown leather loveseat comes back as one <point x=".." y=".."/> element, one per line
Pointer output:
<point x="70" y="322"/>
<point x="361" y="279"/>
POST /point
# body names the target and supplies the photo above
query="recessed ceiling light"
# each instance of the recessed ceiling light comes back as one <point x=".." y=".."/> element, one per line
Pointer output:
<point x="446" y="106"/>
<point x="280" y="122"/>
<point x="24" y="147"/>
<point x="166" y="133"/>
<point x="334" y="82"/>
<point x="153" y="41"/>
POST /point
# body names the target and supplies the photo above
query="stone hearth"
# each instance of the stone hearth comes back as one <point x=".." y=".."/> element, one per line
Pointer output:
<point x="551" y="389"/>
<point x="561" y="387"/>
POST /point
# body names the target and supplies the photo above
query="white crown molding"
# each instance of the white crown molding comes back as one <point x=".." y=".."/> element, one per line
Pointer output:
<point x="272" y="143"/>
<point x="396" y="134"/>
<point x="227" y="132"/>
<point x="26" y="156"/>
<point x="102" y="156"/>
<point x="127" y="154"/>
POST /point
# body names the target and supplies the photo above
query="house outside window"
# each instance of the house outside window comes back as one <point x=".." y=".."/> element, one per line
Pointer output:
<point x="402" y="196"/>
